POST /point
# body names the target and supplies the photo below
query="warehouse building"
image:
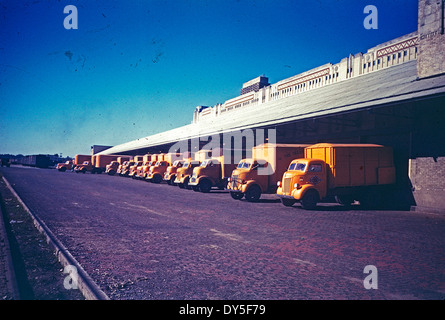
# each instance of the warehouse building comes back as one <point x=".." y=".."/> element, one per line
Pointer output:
<point x="394" y="95"/>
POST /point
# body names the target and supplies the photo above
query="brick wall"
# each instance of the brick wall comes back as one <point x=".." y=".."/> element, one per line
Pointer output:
<point x="427" y="178"/>
<point x="431" y="58"/>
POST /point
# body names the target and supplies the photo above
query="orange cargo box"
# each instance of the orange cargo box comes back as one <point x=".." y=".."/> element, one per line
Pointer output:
<point x="355" y="164"/>
<point x="80" y="158"/>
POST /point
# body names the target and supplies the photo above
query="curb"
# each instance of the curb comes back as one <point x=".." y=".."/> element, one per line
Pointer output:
<point x="86" y="284"/>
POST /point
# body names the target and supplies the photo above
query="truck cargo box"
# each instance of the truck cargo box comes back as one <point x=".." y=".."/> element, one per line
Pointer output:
<point x="80" y="158"/>
<point x="355" y="164"/>
<point x="278" y="156"/>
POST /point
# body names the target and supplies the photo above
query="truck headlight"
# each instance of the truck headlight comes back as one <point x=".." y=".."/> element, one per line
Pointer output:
<point x="279" y="183"/>
<point x="228" y="179"/>
<point x="295" y="185"/>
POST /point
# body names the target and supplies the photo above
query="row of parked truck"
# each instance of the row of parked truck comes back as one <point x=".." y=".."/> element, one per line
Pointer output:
<point x="301" y="173"/>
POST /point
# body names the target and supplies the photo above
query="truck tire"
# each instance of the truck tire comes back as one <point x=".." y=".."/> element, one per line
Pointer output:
<point x="111" y="172"/>
<point x="205" y="186"/>
<point x="237" y="195"/>
<point x="309" y="200"/>
<point x="172" y="181"/>
<point x="345" y="200"/>
<point x="157" y="178"/>
<point x="253" y="194"/>
<point x="196" y="188"/>
<point x="287" y="202"/>
<point x="372" y="199"/>
<point x="63" y="169"/>
<point x="186" y="183"/>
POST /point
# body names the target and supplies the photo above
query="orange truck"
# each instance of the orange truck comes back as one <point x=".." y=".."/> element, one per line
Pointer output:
<point x="172" y="170"/>
<point x="138" y="161"/>
<point x="84" y="167"/>
<point x="101" y="161"/>
<point x="67" y="165"/>
<point x="348" y="172"/>
<point x="260" y="174"/>
<point x="146" y="159"/>
<point x="184" y="173"/>
<point x="113" y="167"/>
<point x="126" y="167"/>
<point x="213" y="172"/>
<point x="145" y="168"/>
<point x="157" y="171"/>
<point x="80" y="158"/>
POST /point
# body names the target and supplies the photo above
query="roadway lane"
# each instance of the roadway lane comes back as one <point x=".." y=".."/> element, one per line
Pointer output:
<point x="139" y="240"/>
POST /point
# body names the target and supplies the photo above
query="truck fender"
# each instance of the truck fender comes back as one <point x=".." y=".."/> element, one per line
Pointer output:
<point x="298" y="194"/>
<point x="249" y="184"/>
<point x="201" y="178"/>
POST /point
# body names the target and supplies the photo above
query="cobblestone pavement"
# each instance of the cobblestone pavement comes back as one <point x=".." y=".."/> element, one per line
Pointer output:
<point x="140" y="240"/>
<point x="7" y="291"/>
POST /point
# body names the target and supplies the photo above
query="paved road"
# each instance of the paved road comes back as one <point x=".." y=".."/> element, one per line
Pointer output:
<point x="139" y="240"/>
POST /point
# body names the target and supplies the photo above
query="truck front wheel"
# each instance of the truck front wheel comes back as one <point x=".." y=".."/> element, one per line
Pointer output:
<point x="237" y="195"/>
<point x="309" y="200"/>
<point x="287" y="202"/>
<point x="157" y="178"/>
<point x="253" y="194"/>
<point x="205" y="186"/>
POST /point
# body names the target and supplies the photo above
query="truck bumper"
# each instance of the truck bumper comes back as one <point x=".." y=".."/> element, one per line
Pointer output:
<point x="193" y="181"/>
<point x="283" y="196"/>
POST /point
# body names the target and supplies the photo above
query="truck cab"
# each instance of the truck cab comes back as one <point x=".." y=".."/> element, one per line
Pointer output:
<point x="68" y="165"/>
<point x="245" y="180"/>
<point x="209" y="174"/>
<point x="126" y="168"/>
<point x="121" y="167"/>
<point x="305" y="181"/>
<point x="146" y="169"/>
<point x="111" y="168"/>
<point x="156" y="172"/>
<point x="133" y="169"/>
<point x="84" y="167"/>
<point x="170" y="173"/>
<point x="184" y="173"/>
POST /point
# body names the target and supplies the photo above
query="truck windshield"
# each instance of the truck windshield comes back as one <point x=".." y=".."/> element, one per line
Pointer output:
<point x="204" y="164"/>
<point x="297" y="166"/>
<point x="244" y="165"/>
<point x="177" y="163"/>
<point x="186" y="165"/>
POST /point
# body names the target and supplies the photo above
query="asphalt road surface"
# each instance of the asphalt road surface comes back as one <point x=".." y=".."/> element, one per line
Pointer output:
<point x="139" y="240"/>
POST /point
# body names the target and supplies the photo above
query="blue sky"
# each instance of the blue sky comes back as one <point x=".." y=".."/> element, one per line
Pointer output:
<point x="136" y="68"/>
